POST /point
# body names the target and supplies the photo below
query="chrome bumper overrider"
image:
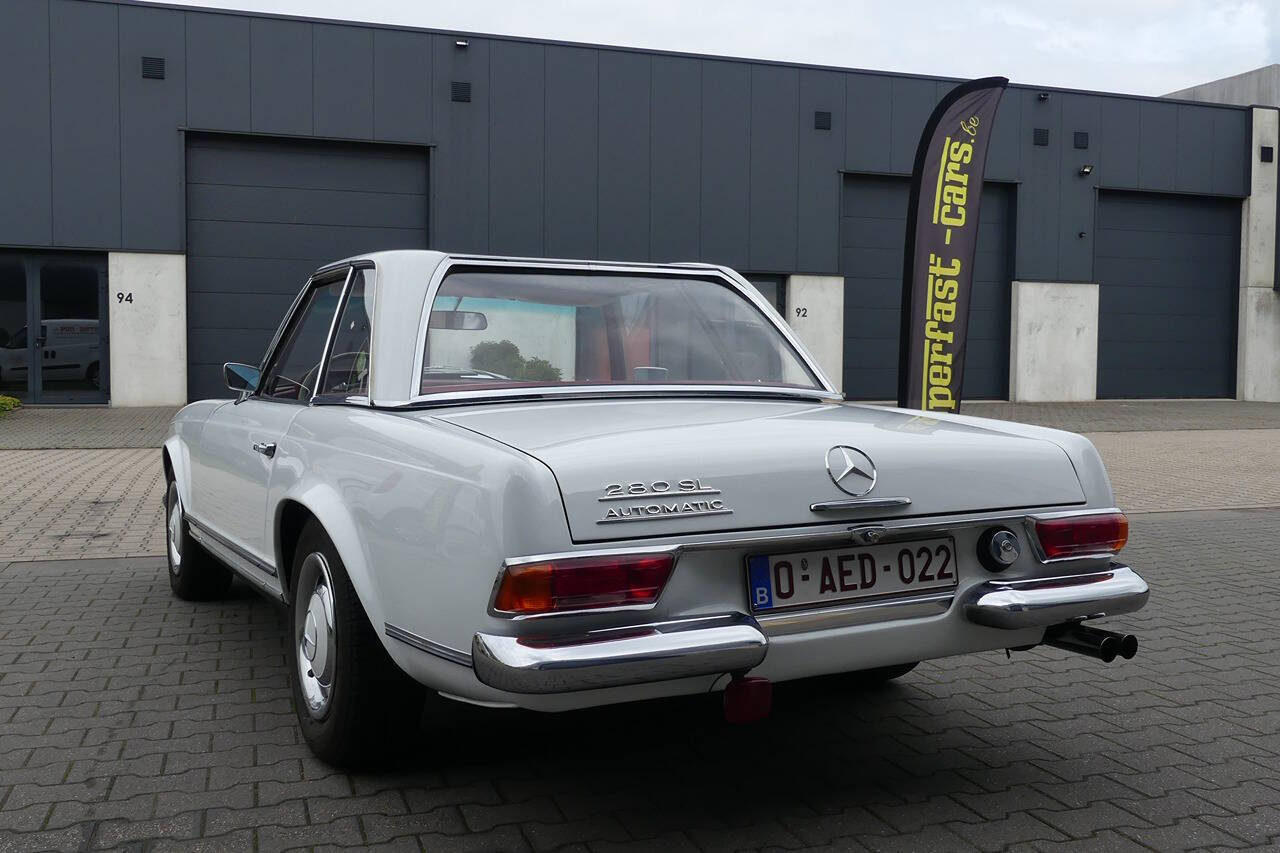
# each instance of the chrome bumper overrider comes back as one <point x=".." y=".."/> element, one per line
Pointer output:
<point x="1052" y="601"/>
<point x="662" y="651"/>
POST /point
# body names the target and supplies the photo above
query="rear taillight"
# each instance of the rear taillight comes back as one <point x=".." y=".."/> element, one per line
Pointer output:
<point x="1082" y="535"/>
<point x="582" y="583"/>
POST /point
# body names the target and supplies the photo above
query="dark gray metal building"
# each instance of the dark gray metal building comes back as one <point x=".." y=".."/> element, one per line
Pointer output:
<point x="172" y="175"/>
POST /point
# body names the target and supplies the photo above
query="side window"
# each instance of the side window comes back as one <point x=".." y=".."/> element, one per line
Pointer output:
<point x="296" y="365"/>
<point x="348" y="370"/>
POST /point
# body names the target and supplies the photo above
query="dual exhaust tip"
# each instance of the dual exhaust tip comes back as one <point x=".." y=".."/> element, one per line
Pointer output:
<point x="1106" y="646"/>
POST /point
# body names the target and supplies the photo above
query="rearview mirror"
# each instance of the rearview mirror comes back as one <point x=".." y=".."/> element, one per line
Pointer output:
<point x="470" y="321"/>
<point x="241" y="377"/>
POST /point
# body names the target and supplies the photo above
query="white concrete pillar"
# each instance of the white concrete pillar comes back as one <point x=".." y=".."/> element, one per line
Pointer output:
<point x="1258" y="338"/>
<point x="147" y="322"/>
<point x="815" y="310"/>
<point x="1053" y="342"/>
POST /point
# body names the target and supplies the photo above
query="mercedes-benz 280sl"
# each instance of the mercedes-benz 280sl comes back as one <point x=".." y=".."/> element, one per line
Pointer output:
<point x="558" y="484"/>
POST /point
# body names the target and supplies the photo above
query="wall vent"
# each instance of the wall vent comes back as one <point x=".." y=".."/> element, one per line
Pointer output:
<point x="461" y="91"/>
<point x="822" y="120"/>
<point x="1040" y="136"/>
<point x="153" y="67"/>
<point x="1082" y="139"/>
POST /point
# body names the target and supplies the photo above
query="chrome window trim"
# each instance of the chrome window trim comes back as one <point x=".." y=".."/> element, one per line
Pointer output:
<point x="638" y="391"/>
<point x="323" y="370"/>
<point x="317" y="279"/>
<point x="735" y="282"/>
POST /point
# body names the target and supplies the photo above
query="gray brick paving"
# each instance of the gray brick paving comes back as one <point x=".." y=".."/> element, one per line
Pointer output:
<point x="129" y="719"/>
<point x="83" y="427"/>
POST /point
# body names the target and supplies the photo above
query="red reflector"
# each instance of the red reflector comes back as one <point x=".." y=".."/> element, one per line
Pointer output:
<point x="1083" y="535"/>
<point x="582" y="583"/>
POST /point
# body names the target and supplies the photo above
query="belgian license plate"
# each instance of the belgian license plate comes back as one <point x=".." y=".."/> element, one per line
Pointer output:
<point x="842" y="574"/>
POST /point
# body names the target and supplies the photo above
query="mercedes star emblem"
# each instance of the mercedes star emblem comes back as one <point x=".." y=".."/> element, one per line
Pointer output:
<point x="851" y="470"/>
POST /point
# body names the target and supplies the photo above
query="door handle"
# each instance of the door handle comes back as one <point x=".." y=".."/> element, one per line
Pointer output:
<point x="266" y="448"/>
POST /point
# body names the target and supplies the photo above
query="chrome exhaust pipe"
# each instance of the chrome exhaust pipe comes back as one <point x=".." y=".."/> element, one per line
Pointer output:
<point x="1106" y="646"/>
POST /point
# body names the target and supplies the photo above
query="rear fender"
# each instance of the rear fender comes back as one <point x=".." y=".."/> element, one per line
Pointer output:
<point x="327" y="507"/>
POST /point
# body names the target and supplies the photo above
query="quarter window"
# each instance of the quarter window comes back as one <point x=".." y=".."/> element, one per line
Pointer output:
<point x="348" y="369"/>
<point x="296" y="366"/>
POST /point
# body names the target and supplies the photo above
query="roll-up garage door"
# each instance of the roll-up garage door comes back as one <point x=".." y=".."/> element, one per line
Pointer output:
<point x="872" y="233"/>
<point x="1167" y="269"/>
<point x="263" y="213"/>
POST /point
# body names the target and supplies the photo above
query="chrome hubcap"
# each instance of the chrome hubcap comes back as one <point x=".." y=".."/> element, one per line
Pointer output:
<point x="173" y="532"/>
<point x="317" y="647"/>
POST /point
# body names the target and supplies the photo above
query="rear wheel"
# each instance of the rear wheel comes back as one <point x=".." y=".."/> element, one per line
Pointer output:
<point x="194" y="575"/>
<point x="883" y="674"/>
<point x="354" y="705"/>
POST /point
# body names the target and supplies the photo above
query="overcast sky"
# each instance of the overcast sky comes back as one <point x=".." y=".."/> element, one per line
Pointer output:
<point x="1147" y="47"/>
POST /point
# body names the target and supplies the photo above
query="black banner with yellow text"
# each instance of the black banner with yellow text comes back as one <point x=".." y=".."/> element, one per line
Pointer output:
<point x="942" y="236"/>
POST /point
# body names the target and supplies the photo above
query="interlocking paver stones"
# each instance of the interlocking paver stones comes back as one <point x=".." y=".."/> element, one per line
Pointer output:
<point x="120" y="743"/>
<point x="84" y="427"/>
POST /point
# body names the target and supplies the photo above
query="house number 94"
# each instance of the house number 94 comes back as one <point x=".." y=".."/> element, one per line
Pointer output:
<point x="121" y="296"/>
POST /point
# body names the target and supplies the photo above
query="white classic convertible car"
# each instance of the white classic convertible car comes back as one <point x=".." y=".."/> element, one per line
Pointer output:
<point x="557" y="484"/>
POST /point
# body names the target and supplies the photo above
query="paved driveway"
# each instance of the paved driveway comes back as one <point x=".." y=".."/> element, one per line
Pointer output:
<point x="127" y="716"/>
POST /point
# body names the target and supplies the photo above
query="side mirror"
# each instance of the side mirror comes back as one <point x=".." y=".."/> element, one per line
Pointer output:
<point x="469" y="321"/>
<point x="241" y="378"/>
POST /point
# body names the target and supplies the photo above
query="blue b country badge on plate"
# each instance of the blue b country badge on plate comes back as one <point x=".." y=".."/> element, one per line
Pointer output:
<point x="761" y="583"/>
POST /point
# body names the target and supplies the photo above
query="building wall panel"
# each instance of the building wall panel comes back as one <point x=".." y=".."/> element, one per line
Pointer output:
<point x="342" y="88"/>
<point x="460" y="165"/>
<point x="624" y="144"/>
<point x="26" y="217"/>
<point x="218" y="72"/>
<point x="150" y="144"/>
<point x="726" y="162"/>
<point x="282" y="93"/>
<point x="775" y="119"/>
<point x="819" y="157"/>
<point x="517" y="145"/>
<point x="572" y="158"/>
<point x="675" y="204"/>
<point x="85" y="124"/>
<point x="402" y="86"/>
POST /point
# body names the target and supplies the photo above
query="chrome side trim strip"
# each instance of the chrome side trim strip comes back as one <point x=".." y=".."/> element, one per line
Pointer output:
<point x="209" y="539"/>
<point x="1042" y="602"/>
<point x="858" y="503"/>
<point x="431" y="647"/>
<point x="864" y="613"/>
<point x="662" y="651"/>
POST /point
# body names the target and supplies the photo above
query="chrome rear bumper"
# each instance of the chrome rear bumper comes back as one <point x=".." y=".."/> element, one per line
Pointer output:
<point x="711" y="645"/>
<point x="1052" y="601"/>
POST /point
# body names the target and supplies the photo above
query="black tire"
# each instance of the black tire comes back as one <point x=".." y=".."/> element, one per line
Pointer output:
<point x="194" y="574"/>
<point x="882" y="674"/>
<point x="360" y="708"/>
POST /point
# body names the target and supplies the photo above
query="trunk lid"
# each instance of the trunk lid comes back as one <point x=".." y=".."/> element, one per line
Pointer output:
<point x="707" y="465"/>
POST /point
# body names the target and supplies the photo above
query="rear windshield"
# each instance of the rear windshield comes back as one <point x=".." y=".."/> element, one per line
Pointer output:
<point x="499" y="328"/>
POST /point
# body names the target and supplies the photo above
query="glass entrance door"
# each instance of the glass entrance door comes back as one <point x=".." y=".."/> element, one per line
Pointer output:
<point x="52" y="326"/>
<point x="15" y="344"/>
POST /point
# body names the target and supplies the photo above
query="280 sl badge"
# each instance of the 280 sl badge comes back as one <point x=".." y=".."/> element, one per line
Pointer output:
<point x="661" y="499"/>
